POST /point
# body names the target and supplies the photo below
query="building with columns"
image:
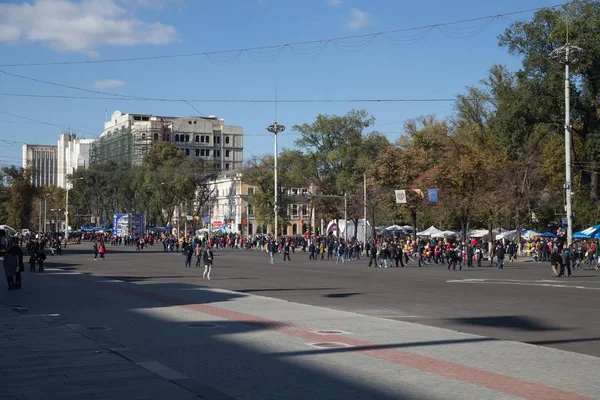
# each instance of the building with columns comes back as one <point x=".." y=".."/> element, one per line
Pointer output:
<point x="43" y="161"/>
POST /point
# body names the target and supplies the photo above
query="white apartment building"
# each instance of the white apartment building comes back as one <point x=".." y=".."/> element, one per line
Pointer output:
<point x="129" y="137"/>
<point x="42" y="159"/>
<point x="73" y="154"/>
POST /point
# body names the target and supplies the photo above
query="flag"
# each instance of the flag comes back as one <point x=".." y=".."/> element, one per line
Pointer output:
<point x="400" y="196"/>
<point x="432" y="195"/>
<point x="419" y="192"/>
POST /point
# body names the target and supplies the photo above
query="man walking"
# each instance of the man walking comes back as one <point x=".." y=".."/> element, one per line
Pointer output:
<point x="13" y="265"/>
<point x="500" y="255"/>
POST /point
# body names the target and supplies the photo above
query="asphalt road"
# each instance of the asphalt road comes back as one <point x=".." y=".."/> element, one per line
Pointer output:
<point x="520" y="303"/>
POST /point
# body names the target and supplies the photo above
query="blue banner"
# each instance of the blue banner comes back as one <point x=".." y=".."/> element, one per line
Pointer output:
<point x="432" y="195"/>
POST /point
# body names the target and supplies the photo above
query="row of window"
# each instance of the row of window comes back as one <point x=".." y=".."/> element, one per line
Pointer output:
<point x="199" y="138"/>
<point x="206" y="153"/>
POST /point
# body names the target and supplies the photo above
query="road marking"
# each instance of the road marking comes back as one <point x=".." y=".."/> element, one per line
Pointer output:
<point x="515" y="282"/>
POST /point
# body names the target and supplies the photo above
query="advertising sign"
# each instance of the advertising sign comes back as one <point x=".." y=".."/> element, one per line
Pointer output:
<point x="128" y="225"/>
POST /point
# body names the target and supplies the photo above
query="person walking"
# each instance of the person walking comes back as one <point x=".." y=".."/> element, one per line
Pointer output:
<point x="500" y="255"/>
<point x="32" y="261"/>
<point x="41" y="256"/>
<point x="198" y="252"/>
<point x="101" y="250"/>
<point x="13" y="266"/>
<point x="189" y="253"/>
<point x="208" y="258"/>
<point x="95" y="251"/>
<point x="286" y="251"/>
<point x="272" y="248"/>
<point x="565" y="263"/>
<point x="555" y="261"/>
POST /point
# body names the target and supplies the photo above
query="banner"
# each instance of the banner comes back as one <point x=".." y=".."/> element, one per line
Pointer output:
<point x="432" y="195"/>
<point x="419" y="192"/>
<point x="400" y="196"/>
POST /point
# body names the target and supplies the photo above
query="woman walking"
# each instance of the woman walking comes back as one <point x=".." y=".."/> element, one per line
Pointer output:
<point x="208" y="262"/>
<point x="101" y="251"/>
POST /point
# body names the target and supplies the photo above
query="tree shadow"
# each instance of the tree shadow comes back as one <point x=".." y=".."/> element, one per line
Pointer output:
<point x="515" y="322"/>
<point x="283" y="290"/>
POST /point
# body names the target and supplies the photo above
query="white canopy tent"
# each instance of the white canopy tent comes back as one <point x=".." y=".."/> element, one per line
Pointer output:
<point x="508" y="235"/>
<point x="332" y="227"/>
<point x="528" y="235"/>
<point x="431" y="231"/>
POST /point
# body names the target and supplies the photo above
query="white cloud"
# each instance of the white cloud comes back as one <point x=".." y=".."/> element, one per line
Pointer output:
<point x="334" y="3"/>
<point x="358" y="19"/>
<point x="83" y="26"/>
<point x="109" y="84"/>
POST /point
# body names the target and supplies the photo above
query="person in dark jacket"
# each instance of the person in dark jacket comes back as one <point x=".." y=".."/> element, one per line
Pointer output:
<point x="13" y="266"/>
<point x="500" y="255"/>
<point x="208" y="258"/>
<point x="565" y="262"/>
<point x="555" y="261"/>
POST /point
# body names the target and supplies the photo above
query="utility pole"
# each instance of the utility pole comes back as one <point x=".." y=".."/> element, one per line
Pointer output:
<point x="365" y="209"/>
<point x="345" y="219"/>
<point x="276" y="128"/>
<point x="568" y="55"/>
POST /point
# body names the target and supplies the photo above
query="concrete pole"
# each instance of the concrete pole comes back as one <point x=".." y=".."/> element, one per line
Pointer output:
<point x="569" y="205"/>
<point x="345" y="218"/>
<point x="45" y="214"/>
<point x="67" y="214"/>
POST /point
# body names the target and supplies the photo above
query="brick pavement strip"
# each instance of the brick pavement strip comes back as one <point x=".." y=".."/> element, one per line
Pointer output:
<point x="40" y="358"/>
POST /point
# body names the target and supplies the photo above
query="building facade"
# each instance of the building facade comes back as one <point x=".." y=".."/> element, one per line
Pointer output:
<point x="207" y="139"/>
<point x="231" y="205"/>
<point x="72" y="154"/>
<point x="43" y="161"/>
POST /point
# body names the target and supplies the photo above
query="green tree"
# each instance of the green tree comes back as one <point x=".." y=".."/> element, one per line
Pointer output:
<point x="22" y="192"/>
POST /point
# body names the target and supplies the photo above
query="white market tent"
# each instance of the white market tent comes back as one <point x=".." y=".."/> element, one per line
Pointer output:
<point x="393" y="228"/>
<point x="509" y="235"/>
<point x="431" y="231"/>
<point x="332" y="227"/>
<point x="530" y="235"/>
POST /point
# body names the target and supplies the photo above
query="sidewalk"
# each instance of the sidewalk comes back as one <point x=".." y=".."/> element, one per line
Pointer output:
<point x="40" y="358"/>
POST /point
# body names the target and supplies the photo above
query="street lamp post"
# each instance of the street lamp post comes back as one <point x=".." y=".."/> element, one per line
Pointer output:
<point x="568" y="55"/>
<point x="45" y="214"/>
<point x="276" y="128"/>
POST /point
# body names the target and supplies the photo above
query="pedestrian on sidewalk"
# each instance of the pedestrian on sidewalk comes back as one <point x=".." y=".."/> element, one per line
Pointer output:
<point x="208" y="262"/>
<point x="286" y="251"/>
<point x="555" y="261"/>
<point x="198" y="253"/>
<point x="95" y="251"/>
<point x="13" y="265"/>
<point x="272" y="247"/>
<point x="500" y="255"/>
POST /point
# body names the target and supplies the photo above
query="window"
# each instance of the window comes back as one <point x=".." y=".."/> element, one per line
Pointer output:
<point x="207" y="153"/>
<point x="197" y="138"/>
<point x="194" y="122"/>
<point x="177" y="138"/>
<point x="250" y="191"/>
<point x="217" y="153"/>
<point x="187" y="138"/>
<point x="294" y="210"/>
<point x="168" y="137"/>
<point x="226" y="139"/>
<point x="136" y="118"/>
<point x="143" y="136"/>
<point x="198" y="152"/>
<point x="190" y="122"/>
<point x="187" y="152"/>
<point x="304" y="191"/>
<point x="156" y="137"/>
<point x="207" y="140"/>
<point x="227" y="153"/>
<point x="227" y="166"/>
<point x="217" y="165"/>
<point x="145" y="118"/>
<point x="294" y="191"/>
<point x="202" y="139"/>
<point x="304" y="210"/>
<point x="218" y="139"/>
<point x="201" y="152"/>
<point x="250" y="210"/>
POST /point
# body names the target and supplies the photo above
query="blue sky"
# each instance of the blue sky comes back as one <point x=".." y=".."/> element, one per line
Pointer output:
<point x="437" y="66"/>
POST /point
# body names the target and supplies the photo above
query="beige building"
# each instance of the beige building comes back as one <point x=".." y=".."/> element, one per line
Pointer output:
<point x="230" y="207"/>
<point x="129" y="137"/>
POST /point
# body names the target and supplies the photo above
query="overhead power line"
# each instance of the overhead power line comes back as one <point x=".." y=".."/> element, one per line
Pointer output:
<point x="313" y="48"/>
<point x="43" y="122"/>
<point x="365" y="100"/>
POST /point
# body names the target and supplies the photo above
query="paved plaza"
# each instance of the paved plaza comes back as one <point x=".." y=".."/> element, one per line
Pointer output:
<point x="297" y="330"/>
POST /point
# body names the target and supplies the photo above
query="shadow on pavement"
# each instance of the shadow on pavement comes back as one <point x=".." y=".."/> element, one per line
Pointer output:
<point x="508" y="322"/>
<point x="385" y="346"/>
<point x="341" y="295"/>
<point x="561" y="341"/>
<point x="238" y="355"/>
<point x="282" y="290"/>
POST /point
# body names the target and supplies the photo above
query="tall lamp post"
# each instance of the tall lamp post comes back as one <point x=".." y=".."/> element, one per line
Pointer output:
<point x="276" y="128"/>
<point x="67" y="208"/>
<point x="45" y="213"/>
<point x="568" y="55"/>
